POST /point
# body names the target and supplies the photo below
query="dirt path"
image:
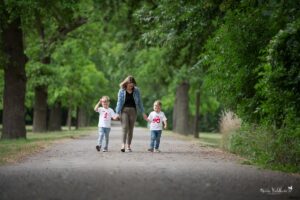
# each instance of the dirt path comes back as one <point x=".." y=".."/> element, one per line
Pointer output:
<point x="183" y="170"/>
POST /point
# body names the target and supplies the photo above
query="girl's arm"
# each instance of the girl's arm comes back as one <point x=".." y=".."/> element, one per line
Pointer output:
<point x="148" y="119"/>
<point x="114" y="116"/>
<point x="165" y="124"/>
<point x="97" y="106"/>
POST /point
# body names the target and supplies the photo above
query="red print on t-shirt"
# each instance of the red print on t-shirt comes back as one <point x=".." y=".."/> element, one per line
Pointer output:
<point x="156" y="119"/>
<point x="105" y="115"/>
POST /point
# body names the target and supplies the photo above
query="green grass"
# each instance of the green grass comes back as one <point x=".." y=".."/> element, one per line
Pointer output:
<point x="14" y="150"/>
<point x="211" y="139"/>
<point x="206" y="139"/>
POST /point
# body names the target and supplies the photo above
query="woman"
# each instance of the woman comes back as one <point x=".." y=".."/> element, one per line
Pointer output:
<point x="129" y="100"/>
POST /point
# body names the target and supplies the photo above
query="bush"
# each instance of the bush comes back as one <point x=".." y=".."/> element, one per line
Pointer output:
<point x="229" y="123"/>
<point x="269" y="147"/>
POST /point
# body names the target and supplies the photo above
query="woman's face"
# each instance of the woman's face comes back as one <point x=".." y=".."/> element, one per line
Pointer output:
<point x="129" y="86"/>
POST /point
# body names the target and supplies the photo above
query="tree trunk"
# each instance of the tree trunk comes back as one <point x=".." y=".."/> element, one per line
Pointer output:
<point x="77" y="116"/>
<point x="14" y="81"/>
<point x="40" y="109"/>
<point x="69" y="120"/>
<point x="40" y="104"/>
<point x="197" y="115"/>
<point x="55" y="118"/>
<point x="82" y="117"/>
<point x="181" y="108"/>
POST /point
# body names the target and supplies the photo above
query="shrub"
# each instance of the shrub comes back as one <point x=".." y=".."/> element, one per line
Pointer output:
<point x="269" y="147"/>
<point x="228" y="124"/>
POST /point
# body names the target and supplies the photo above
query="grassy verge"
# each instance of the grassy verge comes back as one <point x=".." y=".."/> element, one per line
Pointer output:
<point x="276" y="149"/>
<point x="12" y="151"/>
<point x="211" y="139"/>
<point x="205" y="139"/>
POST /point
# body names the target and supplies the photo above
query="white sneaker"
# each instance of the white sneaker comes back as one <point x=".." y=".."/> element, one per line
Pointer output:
<point x="157" y="151"/>
<point x="104" y="150"/>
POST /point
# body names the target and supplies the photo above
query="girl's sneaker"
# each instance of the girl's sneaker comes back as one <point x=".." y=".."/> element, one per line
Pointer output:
<point x="98" y="147"/>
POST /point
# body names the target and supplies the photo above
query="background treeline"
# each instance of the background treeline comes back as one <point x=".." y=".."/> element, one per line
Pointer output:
<point x="199" y="57"/>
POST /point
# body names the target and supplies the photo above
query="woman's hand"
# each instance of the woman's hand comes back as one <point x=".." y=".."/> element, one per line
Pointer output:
<point x="116" y="117"/>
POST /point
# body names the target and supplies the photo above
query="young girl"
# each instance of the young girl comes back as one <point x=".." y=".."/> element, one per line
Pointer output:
<point x="157" y="120"/>
<point x="105" y="116"/>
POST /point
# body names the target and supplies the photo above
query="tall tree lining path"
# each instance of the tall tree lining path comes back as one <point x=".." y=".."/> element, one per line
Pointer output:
<point x="73" y="169"/>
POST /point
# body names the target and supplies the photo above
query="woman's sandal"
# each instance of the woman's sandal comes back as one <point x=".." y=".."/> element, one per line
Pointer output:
<point x="129" y="150"/>
<point x="123" y="149"/>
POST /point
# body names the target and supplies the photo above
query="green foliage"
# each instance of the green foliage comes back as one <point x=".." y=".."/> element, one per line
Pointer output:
<point x="77" y="82"/>
<point x="39" y="74"/>
<point x="271" y="148"/>
<point x="233" y="56"/>
<point x="180" y="29"/>
<point x="280" y="75"/>
<point x="110" y="58"/>
<point x="253" y="61"/>
<point x="152" y="74"/>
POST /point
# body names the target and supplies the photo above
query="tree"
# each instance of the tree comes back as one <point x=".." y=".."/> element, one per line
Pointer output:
<point x="53" y="22"/>
<point x="259" y="78"/>
<point x="235" y="66"/>
<point x="280" y="75"/>
<point x="78" y="83"/>
<point x="182" y="28"/>
<point x="14" y="59"/>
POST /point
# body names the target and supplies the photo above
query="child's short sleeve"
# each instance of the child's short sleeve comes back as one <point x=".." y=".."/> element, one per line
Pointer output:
<point x="150" y="117"/>
<point x="164" y="117"/>
<point x="112" y="112"/>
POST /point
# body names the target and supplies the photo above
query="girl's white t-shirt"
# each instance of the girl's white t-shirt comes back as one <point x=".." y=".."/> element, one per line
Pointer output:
<point x="156" y="120"/>
<point x="105" y="116"/>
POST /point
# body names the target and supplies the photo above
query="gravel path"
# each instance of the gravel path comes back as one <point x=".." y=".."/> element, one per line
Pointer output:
<point x="73" y="169"/>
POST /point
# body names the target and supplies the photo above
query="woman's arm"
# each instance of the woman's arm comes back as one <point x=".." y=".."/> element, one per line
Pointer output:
<point x="139" y="101"/>
<point x="120" y="101"/>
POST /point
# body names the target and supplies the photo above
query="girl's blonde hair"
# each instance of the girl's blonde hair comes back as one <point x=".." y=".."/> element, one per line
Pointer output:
<point x="106" y="98"/>
<point x="128" y="79"/>
<point x="157" y="102"/>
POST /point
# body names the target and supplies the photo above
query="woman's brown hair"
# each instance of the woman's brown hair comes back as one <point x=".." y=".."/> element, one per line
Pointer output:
<point x="128" y="79"/>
